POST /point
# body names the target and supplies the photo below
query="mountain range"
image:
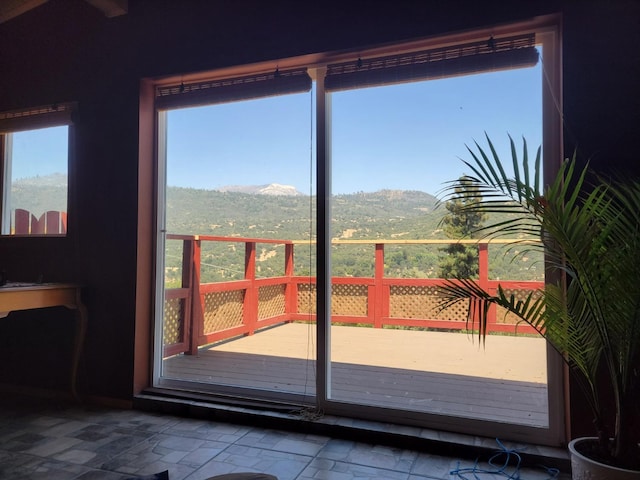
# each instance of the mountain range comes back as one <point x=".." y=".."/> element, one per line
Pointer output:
<point x="270" y="189"/>
<point x="281" y="212"/>
<point x="267" y="211"/>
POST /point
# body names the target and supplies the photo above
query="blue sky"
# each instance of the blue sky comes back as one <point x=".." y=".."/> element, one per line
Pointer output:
<point x="409" y="136"/>
<point x="39" y="152"/>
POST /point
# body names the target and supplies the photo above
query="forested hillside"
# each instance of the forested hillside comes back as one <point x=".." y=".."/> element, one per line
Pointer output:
<point x="39" y="194"/>
<point x="387" y="215"/>
<point x="380" y="215"/>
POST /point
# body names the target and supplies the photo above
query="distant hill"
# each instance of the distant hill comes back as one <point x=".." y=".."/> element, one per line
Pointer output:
<point x="52" y="180"/>
<point x="265" y="211"/>
<point x="271" y="189"/>
<point x="41" y="193"/>
<point x="280" y="212"/>
<point x="383" y="214"/>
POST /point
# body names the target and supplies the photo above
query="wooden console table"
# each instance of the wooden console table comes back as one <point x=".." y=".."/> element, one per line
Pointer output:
<point x="27" y="296"/>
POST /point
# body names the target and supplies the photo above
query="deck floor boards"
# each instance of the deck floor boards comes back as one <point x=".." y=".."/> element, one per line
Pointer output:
<point x="432" y="372"/>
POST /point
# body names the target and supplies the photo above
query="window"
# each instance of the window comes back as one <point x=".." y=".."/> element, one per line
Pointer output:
<point x="35" y="163"/>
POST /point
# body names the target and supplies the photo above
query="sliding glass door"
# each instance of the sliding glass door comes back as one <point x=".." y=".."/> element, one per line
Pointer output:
<point x="314" y="282"/>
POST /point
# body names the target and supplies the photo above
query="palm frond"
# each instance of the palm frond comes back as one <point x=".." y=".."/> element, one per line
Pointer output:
<point x="589" y="227"/>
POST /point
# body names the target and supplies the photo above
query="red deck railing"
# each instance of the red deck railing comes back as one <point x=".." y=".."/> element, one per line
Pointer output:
<point x="51" y="222"/>
<point x="198" y="313"/>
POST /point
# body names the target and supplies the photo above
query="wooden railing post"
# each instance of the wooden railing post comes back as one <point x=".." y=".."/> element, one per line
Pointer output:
<point x="483" y="278"/>
<point x="483" y="264"/>
<point x="250" y="305"/>
<point x="291" y="288"/>
<point x="187" y="282"/>
<point x="380" y="300"/>
<point x="197" y="302"/>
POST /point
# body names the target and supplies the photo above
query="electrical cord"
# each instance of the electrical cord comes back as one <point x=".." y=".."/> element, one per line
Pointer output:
<point x="504" y="463"/>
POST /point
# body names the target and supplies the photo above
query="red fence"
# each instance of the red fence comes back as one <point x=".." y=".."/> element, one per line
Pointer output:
<point x="202" y="313"/>
<point x="51" y="222"/>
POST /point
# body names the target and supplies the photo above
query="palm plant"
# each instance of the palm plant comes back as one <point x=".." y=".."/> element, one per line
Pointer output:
<point x="589" y="309"/>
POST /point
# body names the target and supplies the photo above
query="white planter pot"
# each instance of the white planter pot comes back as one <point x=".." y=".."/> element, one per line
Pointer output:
<point x="583" y="468"/>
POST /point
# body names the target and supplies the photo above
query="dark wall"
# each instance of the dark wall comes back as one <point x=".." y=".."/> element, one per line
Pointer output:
<point x="601" y="57"/>
<point x="66" y="50"/>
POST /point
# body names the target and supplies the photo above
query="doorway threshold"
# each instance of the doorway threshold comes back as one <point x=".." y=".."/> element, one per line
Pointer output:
<point x="300" y="418"/>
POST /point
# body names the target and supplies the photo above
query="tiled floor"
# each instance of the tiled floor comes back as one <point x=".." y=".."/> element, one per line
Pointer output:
<point x="54" y="440"/>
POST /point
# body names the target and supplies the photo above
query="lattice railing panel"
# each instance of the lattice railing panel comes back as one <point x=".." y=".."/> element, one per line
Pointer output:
<point x="349" y="300"/>
<point x="271" y="301"/>
<point x="307" y="298"/>
<point x="173" y="325"/>
<point x="345" y="299"/>
<point x="508" y="318"/>
<point x="422" y="302"/>
<point x="223" y="310"/>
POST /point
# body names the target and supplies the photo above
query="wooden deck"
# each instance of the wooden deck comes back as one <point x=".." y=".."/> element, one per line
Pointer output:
<point x="433" y="372"/>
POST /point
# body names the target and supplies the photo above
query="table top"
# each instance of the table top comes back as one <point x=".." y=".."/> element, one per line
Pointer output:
<point x="12" y="286"/>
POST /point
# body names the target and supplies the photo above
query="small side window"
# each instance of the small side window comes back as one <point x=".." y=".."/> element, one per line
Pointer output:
<point x="35" y="165"/>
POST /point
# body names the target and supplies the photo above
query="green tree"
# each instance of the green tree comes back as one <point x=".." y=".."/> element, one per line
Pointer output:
<point x="461" y="222"/>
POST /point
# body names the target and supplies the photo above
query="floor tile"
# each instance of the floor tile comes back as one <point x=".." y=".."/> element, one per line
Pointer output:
<point x="57" y="441"/>
<point x="298" y="443"/>
<point x="325" y="469"/>
<point x="239" y="458"/>
<point x="378" y="456"/>
<point x="18" y="466"/>
<point x="432" y="466"/>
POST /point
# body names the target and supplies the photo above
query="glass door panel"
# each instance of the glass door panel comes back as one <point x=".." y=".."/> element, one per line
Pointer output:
<point x="393" y="147"/>
<point x="239" y="254"/>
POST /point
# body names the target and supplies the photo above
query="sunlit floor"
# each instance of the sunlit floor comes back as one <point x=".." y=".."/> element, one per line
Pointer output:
<point x="435" y="372"/>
